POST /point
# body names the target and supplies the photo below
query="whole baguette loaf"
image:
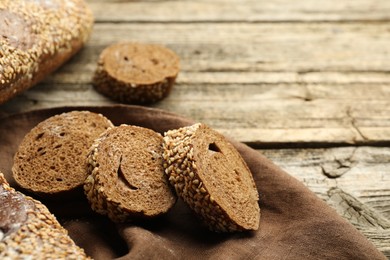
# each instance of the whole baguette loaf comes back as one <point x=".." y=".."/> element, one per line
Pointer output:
<point x="36" y="37"/>
<point x="210" y="175"/>
<point x="29" y="231"/>
<point x="51" y="159"/>
<point x="127" y="179"/>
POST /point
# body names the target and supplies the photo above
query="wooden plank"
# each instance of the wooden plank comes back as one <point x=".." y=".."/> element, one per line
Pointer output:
<point x="355" y="181"/>
<point x="240" y="10"/>
<point x="270" y="73"/>
<point x="307" y="50"/>
<point x="265" y="115"/>
<point x="246" y="47"/>
<point x="265" y="84"/>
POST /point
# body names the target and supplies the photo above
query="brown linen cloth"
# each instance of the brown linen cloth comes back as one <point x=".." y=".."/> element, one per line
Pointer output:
<point x="295" y="223"/>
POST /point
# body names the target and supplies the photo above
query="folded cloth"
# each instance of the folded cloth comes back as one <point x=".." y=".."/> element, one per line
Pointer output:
<point x="294" y="224"/>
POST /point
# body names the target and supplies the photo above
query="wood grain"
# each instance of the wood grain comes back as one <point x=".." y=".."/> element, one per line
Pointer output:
<point x="285" y="87"/>
<point x="355" y="181"/>
<point x="240" y="10"/>
<point x="305" y="82"/>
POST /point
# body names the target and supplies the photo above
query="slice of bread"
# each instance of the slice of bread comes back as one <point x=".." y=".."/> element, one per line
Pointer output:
<point x="127" y="179"/>
<point x="210" y="175"/>
<point x="136" y="73"/>
<point x="29" y="231"/>
<point x="37" y="37"/>
<point x="51" y="159"/>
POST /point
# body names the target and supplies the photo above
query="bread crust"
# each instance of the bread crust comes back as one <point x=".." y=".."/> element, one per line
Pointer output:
<point x="29" y="231"/>
<point x="209" y="174"/>
<point x="136" y="73"/>
<point x="38" y="37"/>
<point x="127" y="180"/>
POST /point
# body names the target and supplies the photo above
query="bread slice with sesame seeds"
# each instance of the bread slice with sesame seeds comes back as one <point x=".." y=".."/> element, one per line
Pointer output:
<point x="210" y="175"/>
<point x="37" y="37"/>
<point x="136" y="73"/>
<point x="127" y="179"/>
<point x="51" y="159"/>
<point x="29" y="231"/>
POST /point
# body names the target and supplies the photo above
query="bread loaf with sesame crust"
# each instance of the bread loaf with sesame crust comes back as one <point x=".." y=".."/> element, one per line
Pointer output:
<point x="136" y="73"/>
<point x="51" y="159"/>
<point x="29" y="231"/>
<point x="127" y="179"/>
<point x="210" y="175"/>
<point x="36" y="37"/>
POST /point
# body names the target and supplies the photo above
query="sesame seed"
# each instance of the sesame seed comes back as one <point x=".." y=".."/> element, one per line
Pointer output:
<point x="24" y="62"/>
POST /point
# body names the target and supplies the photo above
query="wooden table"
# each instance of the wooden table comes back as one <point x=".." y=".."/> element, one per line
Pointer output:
<point x="307" y="83"/>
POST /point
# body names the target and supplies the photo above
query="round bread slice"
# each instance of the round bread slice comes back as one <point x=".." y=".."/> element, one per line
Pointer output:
<point x="51" y="159"/>
<point x="210" y="175"/>
<point x="37" y="37"/>
<point x="29" y="231"/>
<point x="127" y="179"/>
<point x="136" y="73"/>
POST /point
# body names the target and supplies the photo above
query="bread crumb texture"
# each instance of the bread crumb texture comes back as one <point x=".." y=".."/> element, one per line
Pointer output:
<point x="29" y="231"/>
<point x="36" y="37"/>
<point x="52" y="157"/>
<point x="210" y="175"/>
<point x="136" y="73"/>
<point x="127" y="179"/>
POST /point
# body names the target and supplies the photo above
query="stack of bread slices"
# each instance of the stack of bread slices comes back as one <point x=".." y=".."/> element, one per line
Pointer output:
<point x="129" y="172"/>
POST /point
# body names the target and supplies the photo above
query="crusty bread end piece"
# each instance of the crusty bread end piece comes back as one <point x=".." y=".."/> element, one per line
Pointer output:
<point x="210" y="175"/>
<point x="127" y="179"/>
<point x="29" y="231"/>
